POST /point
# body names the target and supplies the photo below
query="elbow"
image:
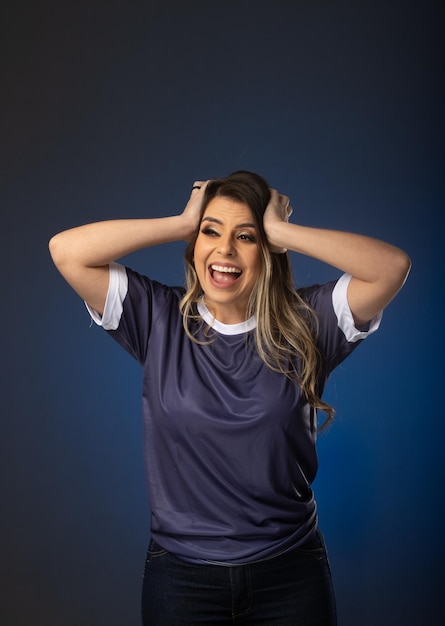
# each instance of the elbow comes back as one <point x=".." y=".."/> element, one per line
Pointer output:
<point x="58" y="250"/>
<point x="55" y="249"/>
<point x="404" y="267"/>
<point x="400" y="269"/>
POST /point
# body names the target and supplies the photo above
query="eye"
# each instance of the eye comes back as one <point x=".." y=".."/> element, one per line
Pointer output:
<point x="207" y="230"/>
<point x="247" y="237"/>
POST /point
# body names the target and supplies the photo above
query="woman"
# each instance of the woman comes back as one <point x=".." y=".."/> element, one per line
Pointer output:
<point x="234" y="370"/>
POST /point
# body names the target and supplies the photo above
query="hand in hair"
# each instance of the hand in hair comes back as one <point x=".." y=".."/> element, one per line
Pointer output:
<point x="277" y="210"/>
<point x="192" y="211"/>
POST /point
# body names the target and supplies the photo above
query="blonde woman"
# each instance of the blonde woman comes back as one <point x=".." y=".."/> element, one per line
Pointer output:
<point x="234" y="369"/>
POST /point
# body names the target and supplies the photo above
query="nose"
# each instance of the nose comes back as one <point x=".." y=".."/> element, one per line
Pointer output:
<point x="226" y="246"/>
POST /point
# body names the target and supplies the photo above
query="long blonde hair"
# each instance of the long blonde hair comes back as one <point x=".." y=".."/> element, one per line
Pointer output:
<point x="286" y="326"/>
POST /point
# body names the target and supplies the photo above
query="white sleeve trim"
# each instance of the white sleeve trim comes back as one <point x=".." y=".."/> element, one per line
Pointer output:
<point x="344" y="315"/>
<point x="117" y="290"/>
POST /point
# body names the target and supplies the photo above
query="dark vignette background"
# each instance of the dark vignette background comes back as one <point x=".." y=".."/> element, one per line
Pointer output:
<point x="112" y="109"/>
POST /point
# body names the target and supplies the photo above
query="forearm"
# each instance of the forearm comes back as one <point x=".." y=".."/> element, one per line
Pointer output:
<point x="363" y="257"/>
<point x="100" y="243"/>
<point x="82" y="255"/>
<point x="378" y="269"/>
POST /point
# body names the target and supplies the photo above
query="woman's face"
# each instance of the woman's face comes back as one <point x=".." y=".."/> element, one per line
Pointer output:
<point x="227" y="258"/>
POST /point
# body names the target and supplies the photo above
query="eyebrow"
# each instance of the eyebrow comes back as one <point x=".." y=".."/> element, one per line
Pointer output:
<point x="217" y="221"/>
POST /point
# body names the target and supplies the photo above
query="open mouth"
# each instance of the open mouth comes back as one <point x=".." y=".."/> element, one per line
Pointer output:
<point x="224" y="275"/>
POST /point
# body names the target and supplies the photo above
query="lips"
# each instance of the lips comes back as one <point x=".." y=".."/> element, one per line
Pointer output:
<point x="224" y="275"/>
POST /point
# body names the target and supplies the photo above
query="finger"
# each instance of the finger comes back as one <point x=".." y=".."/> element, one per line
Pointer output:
<point x="284" y="202"/>
<point x="276" y="250"/>
<point x="285" y="206"/>
<point x="198" y="184"/>
<point x="274" y="195"/>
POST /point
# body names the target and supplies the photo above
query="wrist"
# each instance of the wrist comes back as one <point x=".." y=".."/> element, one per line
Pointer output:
<point x="275" y="233"/>
<point x="186" y="227"/>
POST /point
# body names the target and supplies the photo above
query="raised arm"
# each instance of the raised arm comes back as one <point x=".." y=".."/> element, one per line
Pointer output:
<point x="83" y="254"/>
<point x="378" y="269"/>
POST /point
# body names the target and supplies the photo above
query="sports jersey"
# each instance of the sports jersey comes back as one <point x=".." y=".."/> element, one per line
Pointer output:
<point x="229" y="444"/>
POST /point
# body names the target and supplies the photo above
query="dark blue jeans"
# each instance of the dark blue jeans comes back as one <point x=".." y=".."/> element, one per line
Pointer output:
<point x="294" y="589"/>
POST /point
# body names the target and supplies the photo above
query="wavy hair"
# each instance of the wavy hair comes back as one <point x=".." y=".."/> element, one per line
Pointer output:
<point x="286" y="326"/>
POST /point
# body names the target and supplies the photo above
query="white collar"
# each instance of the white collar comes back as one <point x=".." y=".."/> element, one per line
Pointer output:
<point x="225" y="329"/>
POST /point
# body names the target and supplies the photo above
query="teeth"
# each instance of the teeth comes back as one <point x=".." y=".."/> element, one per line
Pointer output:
<point x="223" y="268"/>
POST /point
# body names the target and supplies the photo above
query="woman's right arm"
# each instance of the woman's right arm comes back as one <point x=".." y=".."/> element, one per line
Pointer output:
<point x="83" y="254"/>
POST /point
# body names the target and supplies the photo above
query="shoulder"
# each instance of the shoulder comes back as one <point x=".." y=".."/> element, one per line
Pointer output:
<point x="318" y="297"/>
<point x="129" y="291"/>
<point x="330" y="303"/>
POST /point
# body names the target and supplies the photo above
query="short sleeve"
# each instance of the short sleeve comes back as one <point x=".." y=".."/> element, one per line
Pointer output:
<point x="117" y="291"/>
<point x="336" y="333"/>
<point x="135" y="305"/>
<point x="344" y="314"/>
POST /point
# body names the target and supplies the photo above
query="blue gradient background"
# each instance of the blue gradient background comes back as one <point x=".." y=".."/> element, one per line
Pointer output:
<point x="112" y="109"/>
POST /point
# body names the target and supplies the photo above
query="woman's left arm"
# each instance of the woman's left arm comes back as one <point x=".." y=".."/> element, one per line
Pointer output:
<point x="378" y="269"/>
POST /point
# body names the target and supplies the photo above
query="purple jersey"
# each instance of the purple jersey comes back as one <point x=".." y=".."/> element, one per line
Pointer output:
<point x="229" y="444"/>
